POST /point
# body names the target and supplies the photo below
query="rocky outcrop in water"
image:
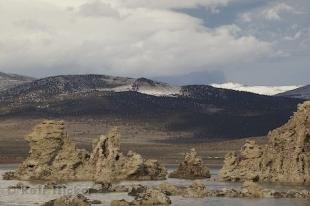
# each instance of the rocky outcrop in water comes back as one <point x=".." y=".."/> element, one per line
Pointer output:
<point x="199" y="190"/>
<point x="78" y="200"/>
<point x="191" y="168"/>
<point x="54" y="185"/>
<point x="249" y="189"/>
<point x="170" y="189"/>
<point x="20" y="186"/>
<point x="53" y="156"/>
<point x="9" y="175"/>
<point x="252" y="189"/>
<point x="110" y="162"/>
<point x="196" y="190"/>
<point x="286" y="157"/>
<point x="149" y="197"/>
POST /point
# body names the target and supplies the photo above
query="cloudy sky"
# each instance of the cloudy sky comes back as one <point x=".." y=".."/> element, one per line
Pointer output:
<point x="195" y="41"/>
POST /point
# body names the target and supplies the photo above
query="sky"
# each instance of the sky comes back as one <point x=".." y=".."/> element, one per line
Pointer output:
<point x="255" y="42"/>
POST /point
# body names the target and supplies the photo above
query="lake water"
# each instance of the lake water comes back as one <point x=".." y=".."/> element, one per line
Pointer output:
<point x="36" y="195"/>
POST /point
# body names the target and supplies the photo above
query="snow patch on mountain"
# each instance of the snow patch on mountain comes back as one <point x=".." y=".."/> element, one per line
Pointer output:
<point x="263" y="90"/>
<point x="141" y="85"/>
<point x="150" y="87"/>
<point x="160" y="91"/>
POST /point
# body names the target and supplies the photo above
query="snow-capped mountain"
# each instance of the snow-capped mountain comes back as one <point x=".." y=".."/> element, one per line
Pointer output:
<point x="263" y="90"/>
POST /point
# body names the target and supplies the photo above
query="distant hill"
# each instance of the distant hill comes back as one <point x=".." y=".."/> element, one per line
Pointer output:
<point x="11" y="80"/>
<point x="301" y="93"/>
<point x="200" y="111"/>
<point x="59" y="86"/>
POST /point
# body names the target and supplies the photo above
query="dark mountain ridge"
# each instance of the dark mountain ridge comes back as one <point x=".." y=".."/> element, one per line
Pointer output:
<point x="204" y="111"/>
<point x="50" y="87"/>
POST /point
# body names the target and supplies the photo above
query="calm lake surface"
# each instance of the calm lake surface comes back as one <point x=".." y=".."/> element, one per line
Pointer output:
<point x="36" y="195"/>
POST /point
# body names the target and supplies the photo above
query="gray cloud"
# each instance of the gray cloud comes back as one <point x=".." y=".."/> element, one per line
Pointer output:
<point x="98" y="9"/>
<point x="141" y="41"/>
<point x="282" y="23"/>
<point x="156" y="38"/>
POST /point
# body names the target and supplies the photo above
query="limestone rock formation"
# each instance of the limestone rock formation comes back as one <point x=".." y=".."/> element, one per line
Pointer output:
<point x="196" y="190"/>
<point x="150" y="170"/>
<point x="148" y="198"/>
<point x="136" y="189"/>
<point x="53" y="156"/>
<point x="170" y="189"/>
<point x="191" y="168"/>
<point x="108" y="188"/>
<point x="252" y="189"/>
<point x="112" y="165"/>
<point x="286" y="157"/>
<point x="225" y="192"/>
<point x="152" y="197"/>
<point x="78" y="200"/>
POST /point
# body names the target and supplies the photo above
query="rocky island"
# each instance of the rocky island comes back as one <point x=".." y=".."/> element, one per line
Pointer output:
<point x="192" y="167"/>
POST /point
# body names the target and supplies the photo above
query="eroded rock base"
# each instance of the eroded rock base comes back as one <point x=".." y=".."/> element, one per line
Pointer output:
<point x="149" y="197"/>
<point x="248" y="190"/>
<point x="160" y="195"/>
<point x="78" y="200"/>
